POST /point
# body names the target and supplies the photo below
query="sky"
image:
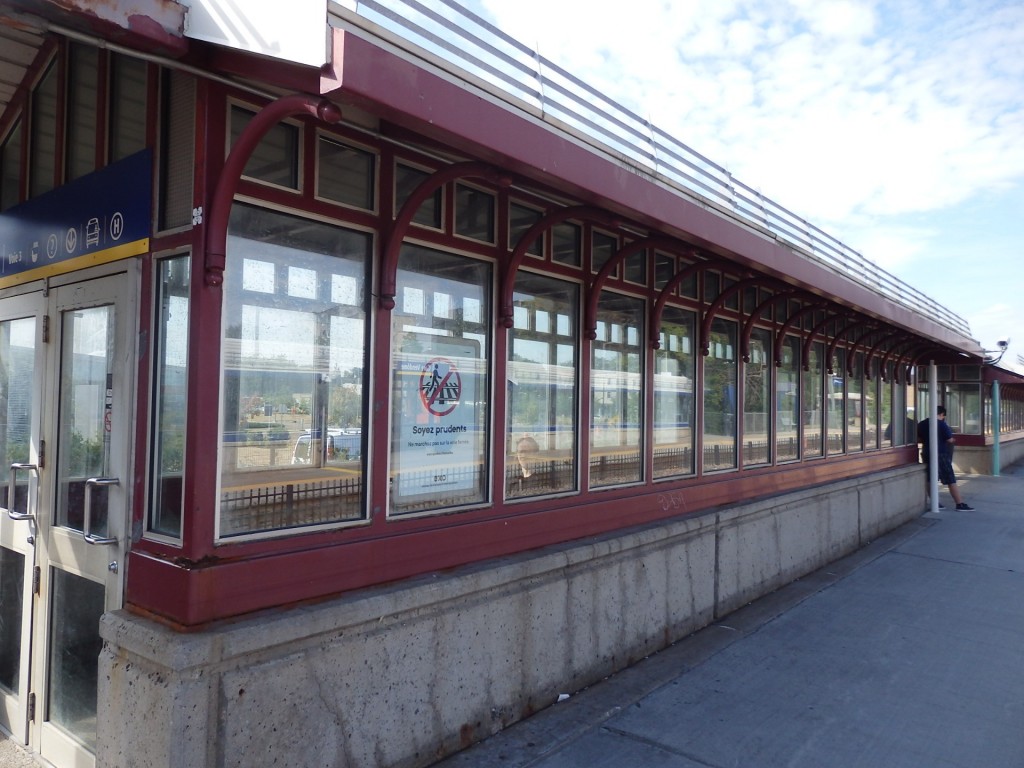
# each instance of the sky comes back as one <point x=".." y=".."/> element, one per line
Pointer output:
<point x="896" y="126"/>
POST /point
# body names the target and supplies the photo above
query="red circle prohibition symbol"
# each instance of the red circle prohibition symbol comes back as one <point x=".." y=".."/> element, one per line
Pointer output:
<point x="440" y="386"/>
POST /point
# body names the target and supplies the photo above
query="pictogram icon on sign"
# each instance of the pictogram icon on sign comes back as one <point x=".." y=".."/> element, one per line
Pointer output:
<point x="440" y="386"/>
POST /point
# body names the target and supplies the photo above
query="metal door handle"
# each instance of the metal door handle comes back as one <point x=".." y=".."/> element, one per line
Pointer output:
<point x="10" y="492"/>
<point x="91" y="483"/>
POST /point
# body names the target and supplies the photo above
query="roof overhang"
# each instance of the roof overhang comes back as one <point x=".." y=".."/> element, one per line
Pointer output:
<point x="435" y="104"/>
<point x="153" y="26"/>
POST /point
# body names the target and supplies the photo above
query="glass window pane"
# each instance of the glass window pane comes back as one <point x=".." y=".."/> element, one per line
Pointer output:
<point x="177" y="148"/>
<point x="474" y="213"/>
<point x="75" y="646"/>
<point x="673" y="395"/>
<point x="885" y="409"/>
<point x="83" y="78"/>
<point x="407" y="180"/>
<point x="42" y="160"/>
<point x="520" y="219"/>
<point x="345" y="174"/>
<point x="616" y="394"/>
<point x="17" y="377"/>
<point x="787" y="402"/>
<point x="854" y="404"/>
<point x="294" y="367"/>
<point x="440" y="400"/>
<point x="12" y="591"/>
<point x="636" y="268"/>
<point x="542" y="385"/>
<point x="757" y="400"/>
<point x="565" y="244"/>
<point x="169" y="396"/>
<point x="87" y="364"/>
<point x="719" y="444"/>
<point x="811" y="400"/>
<point x="127" y="106"/>
<point x="664" y="268"/>
<point x="834" y="389"/>
<point x="275" y="159"/>
<point x="10" y="169"/>
<point x="602" y="248"/>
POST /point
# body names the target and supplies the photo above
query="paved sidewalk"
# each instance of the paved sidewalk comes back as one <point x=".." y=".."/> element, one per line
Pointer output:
<point x="906" y="654"/>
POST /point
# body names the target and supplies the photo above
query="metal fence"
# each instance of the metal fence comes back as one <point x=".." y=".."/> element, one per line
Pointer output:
<point x="457" y="40"/>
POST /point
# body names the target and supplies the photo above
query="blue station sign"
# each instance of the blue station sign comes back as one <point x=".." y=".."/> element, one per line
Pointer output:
<point x="96" y="219"/>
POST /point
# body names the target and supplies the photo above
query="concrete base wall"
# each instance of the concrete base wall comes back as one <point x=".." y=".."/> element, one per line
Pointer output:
<point x="971" y="460"/>
<point x="400" y="676"/>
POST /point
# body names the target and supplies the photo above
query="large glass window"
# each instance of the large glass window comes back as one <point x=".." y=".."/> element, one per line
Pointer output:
<point x="169" y="401"/>
<point x="439" y="400"/>
<point x="834" y="391"/>
<point x="885" y="400"/>
<point x="542" y="382"/>
<point x="963" y="408"/>
<point x="673" y="395"/>
<point x="787" y="401"/>
<point x="616" y="392"/>
<point x="757" y="400"/>
<point x="719" y="450"/>
<point x="294" y="370"/>
<point x="812" y="401"/>
<point x="855" y="404"/>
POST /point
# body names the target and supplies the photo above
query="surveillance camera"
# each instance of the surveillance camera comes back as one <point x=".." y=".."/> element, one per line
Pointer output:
<point x="1003" y="343"/>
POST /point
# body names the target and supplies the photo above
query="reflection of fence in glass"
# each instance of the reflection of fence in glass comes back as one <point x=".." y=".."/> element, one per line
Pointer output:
<point x="551" y="476"/>
<point x="289" y="505"/>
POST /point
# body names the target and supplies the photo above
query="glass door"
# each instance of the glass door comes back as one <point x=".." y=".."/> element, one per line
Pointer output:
<point x="75" y="510"/>
<point x="21" y="366"/>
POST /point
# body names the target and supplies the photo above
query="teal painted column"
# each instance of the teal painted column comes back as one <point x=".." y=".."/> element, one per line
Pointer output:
<point x="995" y="429"/>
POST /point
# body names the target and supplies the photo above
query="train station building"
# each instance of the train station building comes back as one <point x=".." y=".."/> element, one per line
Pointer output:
<point x="367" y="380"/>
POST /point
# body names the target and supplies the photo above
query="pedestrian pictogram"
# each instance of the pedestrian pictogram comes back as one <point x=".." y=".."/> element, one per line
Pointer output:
<point x="440" y="386"/>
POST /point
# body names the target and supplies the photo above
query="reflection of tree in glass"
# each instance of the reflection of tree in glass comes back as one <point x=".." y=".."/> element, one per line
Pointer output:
<point x="84" y="457"/>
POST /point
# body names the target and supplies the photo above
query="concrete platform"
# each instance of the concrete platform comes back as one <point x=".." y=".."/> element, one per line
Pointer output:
<point x="908" y="653"/>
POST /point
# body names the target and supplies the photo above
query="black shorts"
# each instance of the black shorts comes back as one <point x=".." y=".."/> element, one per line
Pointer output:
<point x="946" y="476"/>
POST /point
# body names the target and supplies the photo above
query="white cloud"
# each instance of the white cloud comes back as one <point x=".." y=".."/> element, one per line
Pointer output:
<point x="873" y="119"/>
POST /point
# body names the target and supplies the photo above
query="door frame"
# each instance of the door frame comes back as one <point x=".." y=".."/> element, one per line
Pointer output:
<point x="64" y="548"/>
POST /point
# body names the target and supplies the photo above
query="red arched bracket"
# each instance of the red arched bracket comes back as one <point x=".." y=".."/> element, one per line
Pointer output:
<point x="904" y="346"/>
<point x="666" y="292"/>
<point x="220" y="203"/>
<point x="506" y="311"/>
<point x="853" y="326"/>
<point x="780" y="337"/>
<point x="806" y="352"/>
<point x="389" y="255"/>
<point x="594" y="290"/>
<point x="709" y="314"/>
<point x="871" y="354"/>
<point x="853" y="351"/>
<point x="748" y="325"/>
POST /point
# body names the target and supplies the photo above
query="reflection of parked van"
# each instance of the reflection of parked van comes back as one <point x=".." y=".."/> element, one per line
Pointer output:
<point x="341" y="444"/>
<point x="308" y="445"/>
